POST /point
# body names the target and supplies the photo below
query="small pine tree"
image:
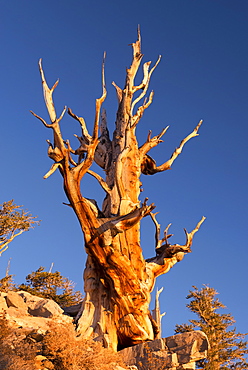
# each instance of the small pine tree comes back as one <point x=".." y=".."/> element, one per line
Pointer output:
<point x="13" y="222"/>
<point x="7" y="283"/>
<point x="227" y="348"/>
<point x="51" y="285"/>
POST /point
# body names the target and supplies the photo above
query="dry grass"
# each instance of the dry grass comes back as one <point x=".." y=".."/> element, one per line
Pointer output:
<point x="59" y="350"/>
<point x="16" y="350"/>
<point x="67" y="352"/>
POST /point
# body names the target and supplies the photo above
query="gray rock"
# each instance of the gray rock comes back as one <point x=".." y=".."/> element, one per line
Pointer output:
<point x="33" y="316"/>
<point x="17" y="312"/>
<point x="177" y="352"/>
<point x="30" y="300"/>
<point x="190" y="346"/>
<point x="13" y="299"/>
<point x="72" y="310"/>
<point x="46" y="308"/>
<point x="3" y="304"/>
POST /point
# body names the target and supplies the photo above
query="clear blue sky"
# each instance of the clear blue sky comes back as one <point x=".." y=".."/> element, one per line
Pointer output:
<point x="203" y="75"/>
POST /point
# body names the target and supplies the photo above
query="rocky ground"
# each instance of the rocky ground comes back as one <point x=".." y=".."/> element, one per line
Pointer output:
<point x="32" y="316"/>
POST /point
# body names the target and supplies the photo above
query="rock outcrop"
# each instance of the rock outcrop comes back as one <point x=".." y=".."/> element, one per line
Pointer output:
<point x="179" y="351"/>
<point x="33" y="315"/>
<point x="24" y="310"/>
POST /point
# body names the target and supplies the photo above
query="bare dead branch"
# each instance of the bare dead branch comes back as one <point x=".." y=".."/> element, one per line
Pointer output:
<point x="70" y="150"/>
<point x="137" y="46"/>
<point x="62" y="114"/>
<point x="100" y="101"/>
<point x="84" y="140"/>
<point x="145" y="83"/>
<point x="167" y="165"/>
<point x="52" y="170"/>
<point x="54" y="152"/>
<point x="57" y="152"/>
<point x="100" y="180"/>
<point x="168" y="255"/>
<point x="83" y="167"/>
<point x="156" y="312"/>
<point x="189" y="236"/>
<point x="148" y="166"/>
<point x="41" y="119"/>
<point x="118" y="92"/>
<point x="169" y="250"/>
<point x="121" y="223"/>
<point x="136" y="118"/>
<point x="166" y="235"/>
<point x="87" y="137"/>
<point x="151" y="142"/>
<point x="137" y="56"/>
<point x="48" y="94"/>
<point x="145" y="78"/>
<point x="82" y="149"/>
<point x="157" y="232"/>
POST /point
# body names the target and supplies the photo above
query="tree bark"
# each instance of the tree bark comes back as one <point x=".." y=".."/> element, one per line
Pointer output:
<point x="118" y="280"/>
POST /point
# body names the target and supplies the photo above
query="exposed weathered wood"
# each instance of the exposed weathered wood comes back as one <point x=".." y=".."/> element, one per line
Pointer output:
<point x="118" y="280"/>
<point x="156" y="314"/>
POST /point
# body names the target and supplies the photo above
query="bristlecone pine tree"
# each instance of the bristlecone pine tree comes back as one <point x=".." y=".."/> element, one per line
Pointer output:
<point x="118" y="280"/>
<point x="227" y="348"/>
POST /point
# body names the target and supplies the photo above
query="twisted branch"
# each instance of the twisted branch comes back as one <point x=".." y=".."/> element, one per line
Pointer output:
<point x="151" y="142"/>
<point x="168" y="255"/>
<point x="178" y="150"/>
<point x="149" y="166"/>
<point x="48" y="94"/>
<point x="145" y="83"/>
<point x="83" y="167"/>
<point x="100" y="180"/>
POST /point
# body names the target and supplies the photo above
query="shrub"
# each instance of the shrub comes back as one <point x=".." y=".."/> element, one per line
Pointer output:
<point x="68" y="352"/>
<point x="16" y="350"/>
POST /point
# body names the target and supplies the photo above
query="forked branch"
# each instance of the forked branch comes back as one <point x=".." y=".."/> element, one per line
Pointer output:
<point x="118" y="92"/>
<point x="145" y="83"/>
<point x="169" y="250"/>
<point x="157" y="232"/>
<point x="48" y="94"/>
<point x="151" y="142"/>
<point x="149" y="164"/>
<point x="84" y="166"/>
<point x="87" y="137"/>
<point x="101" y="181"/>
<point x="158" y="241"/>
<point x="168" y="255"/>
<point x="189" y="236"/>
<point x="52" y="170"/>
<point x="137" y="56"/>
<point x="122" y="223"/>
<point x="99" y="102"/>
<point x="178" y="150"/>
<point x="136" y="118"/>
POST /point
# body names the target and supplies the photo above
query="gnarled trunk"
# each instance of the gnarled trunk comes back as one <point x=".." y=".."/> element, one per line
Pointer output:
<point x="118" y="280"/>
